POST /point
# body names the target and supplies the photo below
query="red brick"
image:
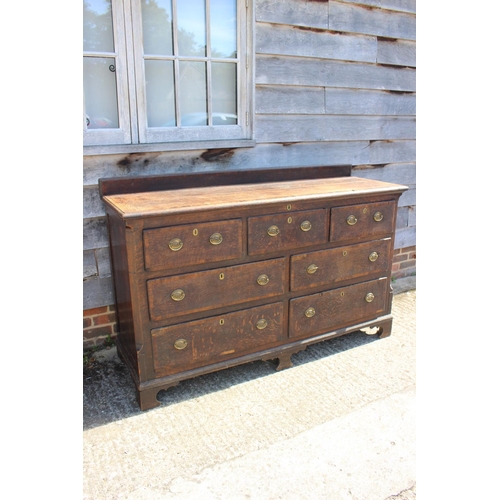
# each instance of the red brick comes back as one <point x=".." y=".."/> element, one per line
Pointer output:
<point x="86" y="322"/>
<point x="102" y="331"/>
<point x="104" y="319"/>
<point x="406" y="265"/>
<point x="96" y="310"/>
<point x="410" y="249"/>
<point x="400" y="258"/>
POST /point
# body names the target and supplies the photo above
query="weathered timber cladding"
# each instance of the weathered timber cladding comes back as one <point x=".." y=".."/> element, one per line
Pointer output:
<point x="359" y="19"/>
<point x="275" y="128"/>
<point x="296" y="12"/>
<point x="298" y="41"/>
<point x="398" y="5"/>
<point x="366" y="102"/>
<point x="318" y="72"/>
<point x="335" y="84"/>
<point x="397" y="52"/>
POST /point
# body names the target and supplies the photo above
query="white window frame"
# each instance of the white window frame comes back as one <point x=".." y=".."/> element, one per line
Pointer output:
<point x="135" y="136"/>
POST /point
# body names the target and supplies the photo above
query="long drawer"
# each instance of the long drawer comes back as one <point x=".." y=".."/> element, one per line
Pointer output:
<point x="177" y="246"/>
<point x="209" y="340"/>
<point x="327" y="311"/>
<point x="272" y="233"/>
<point x="368" y="220"/>
<point x="335" y="265"/>
<point x="188" y="293"/>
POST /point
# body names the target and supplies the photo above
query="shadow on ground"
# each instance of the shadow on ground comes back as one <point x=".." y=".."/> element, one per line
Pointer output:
<point x="109" y="392"/>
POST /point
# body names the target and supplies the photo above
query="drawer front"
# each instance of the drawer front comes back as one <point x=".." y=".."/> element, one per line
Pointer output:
<point x="193" y="292"/>
<point x="272" y="233"/>
<point x="177" y="246"/>
<point x="361" y="221"/>
<point x="335" y="265"/>
<point x="210" y="340"/>
<point x="328" y="311"/>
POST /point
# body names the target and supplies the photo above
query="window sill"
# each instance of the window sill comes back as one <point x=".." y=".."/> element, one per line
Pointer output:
<point x="166" y="146"/>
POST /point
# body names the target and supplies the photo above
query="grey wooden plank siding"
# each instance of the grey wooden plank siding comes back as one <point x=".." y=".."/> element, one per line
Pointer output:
<point x="335" y="84"/>
<point x="358" y="19"/>
<point x="315" y="72"/>
<point x="399" y="5"/>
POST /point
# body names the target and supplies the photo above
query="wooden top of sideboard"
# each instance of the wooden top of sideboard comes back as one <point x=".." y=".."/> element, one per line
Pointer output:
<point x="153" y="203"/>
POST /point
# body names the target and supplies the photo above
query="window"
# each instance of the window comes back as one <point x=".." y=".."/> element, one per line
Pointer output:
<point x="169" y="73"/>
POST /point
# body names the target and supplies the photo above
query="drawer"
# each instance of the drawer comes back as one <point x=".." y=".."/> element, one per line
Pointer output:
<point x="272" y="233"/>
<point x="191" y="244"/>
<point x="362" y="221"/>
<point x="205" y="290"/>
<point x="210" y="340"/>
<point x="361" y="261"/>
<point x="328" y="311"/>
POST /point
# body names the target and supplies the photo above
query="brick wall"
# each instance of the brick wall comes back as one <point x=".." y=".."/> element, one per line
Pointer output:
<point x="404" y="262"/>
<point x="99" y="324"/>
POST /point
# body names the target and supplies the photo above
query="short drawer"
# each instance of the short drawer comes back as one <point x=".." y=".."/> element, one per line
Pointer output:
<point x="177" y="246"/>
<point x="272" y="233"/>
<point x="201" y="291"/>
<point x="210" y="340"/>
<point x="361" y="261"/>
<point x="328" y="311"/>
<point x="362" y="221"/>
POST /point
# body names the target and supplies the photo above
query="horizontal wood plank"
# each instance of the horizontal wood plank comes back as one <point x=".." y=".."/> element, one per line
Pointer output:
<point x="367" y="102"/>
<point x="406" y="237"/>
<point x="285" y="155"/>
<point x="98" y="292"/>
<point x="277" y="128"/>
<point x="294" y="41"/>
<point x="283" y="99"/>
<point x="296" y="12"/>
<point x="358" y="19"/>
<point x="401" y="173"/>
<point x="316" y="72"/>
<point x="383" y="152"/>
<point x="398" y="52"/>
<point x="397" y="5"/>
<point x="95" y="233"/>
<point x="89" y="264"/>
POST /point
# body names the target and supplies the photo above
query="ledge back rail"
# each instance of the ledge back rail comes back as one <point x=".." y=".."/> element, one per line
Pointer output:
<point x="142" y="184"/>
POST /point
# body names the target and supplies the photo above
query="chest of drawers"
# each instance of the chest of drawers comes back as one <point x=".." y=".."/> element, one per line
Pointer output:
<point x="211" y="271"/>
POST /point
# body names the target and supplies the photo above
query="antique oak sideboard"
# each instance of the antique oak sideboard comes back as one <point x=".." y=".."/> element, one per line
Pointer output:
<point x="217" y="269"/>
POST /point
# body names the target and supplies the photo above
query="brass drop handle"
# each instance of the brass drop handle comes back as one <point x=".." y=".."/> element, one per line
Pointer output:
<point x="312" y="269"/>
<point x="175" y="245"/>
<point x="369" y="297"/>
<point x="177" y="295"/>
<point x="306" y="226"/>
<point x="273" y="231"/>
<point x="261" y="324"/>
<point x="373" y="257"/>
<point x="263" y="279"/>
<point x="310" y="312"/>
<point x="180" y="344"/>
<point x="216" y="239"/>
<point x="378" y="216"/>
<point x="351" y="220"/>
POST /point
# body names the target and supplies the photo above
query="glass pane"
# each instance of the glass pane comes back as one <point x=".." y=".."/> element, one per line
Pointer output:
<point x="160" y="94"/>
<point x="191" y="28"/>
<point x="157" y="26"/>
<point x="97" y="26"/>
<point x="224" y="94"/>
<point x="99" y="84"/>
<point x="193" y="93"/>
<point x="223" y="28"/>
